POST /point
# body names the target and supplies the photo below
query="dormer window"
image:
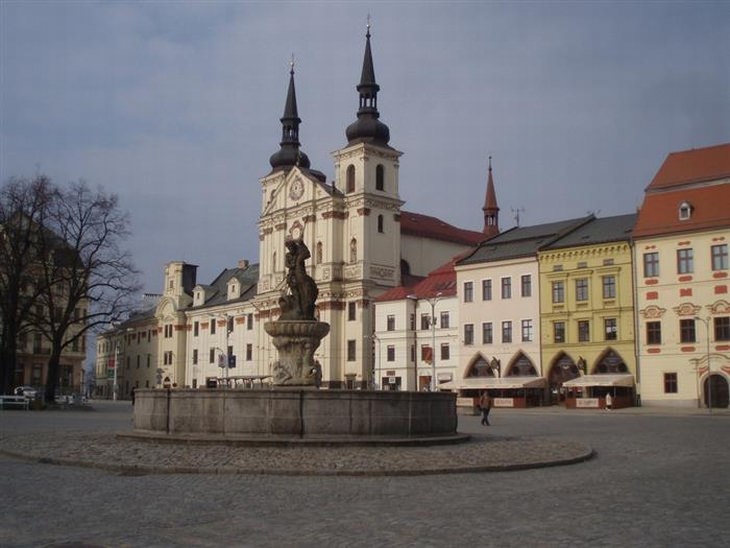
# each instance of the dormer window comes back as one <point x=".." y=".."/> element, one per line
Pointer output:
<point x="685" y="211"/>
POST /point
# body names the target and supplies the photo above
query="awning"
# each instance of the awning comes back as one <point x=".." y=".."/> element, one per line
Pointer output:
<point x="494" y="383"/>
<point x="600" y="380"/>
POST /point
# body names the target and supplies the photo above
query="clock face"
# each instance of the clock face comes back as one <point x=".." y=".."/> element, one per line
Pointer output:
<point x="296" y="189"/>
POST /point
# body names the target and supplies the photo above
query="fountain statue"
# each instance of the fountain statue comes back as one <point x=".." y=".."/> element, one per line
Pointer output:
<point x="297" y="334"/>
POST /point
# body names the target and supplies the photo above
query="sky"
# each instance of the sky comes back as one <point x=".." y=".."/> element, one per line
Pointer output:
<point x="175" y="105"/>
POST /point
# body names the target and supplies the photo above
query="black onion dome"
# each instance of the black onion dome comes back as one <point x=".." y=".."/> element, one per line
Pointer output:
<point x="367" y="127"/>
<point x="289" y="154"/>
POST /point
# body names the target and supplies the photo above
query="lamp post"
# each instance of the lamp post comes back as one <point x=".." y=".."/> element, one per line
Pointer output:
<point x="115" y="387"/>
<point x="376" y="369"/>
<point x="706" y="321"/>
<point x="433" y="302"/>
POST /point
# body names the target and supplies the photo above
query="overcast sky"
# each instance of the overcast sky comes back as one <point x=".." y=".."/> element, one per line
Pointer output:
<point x="175" y="105"/>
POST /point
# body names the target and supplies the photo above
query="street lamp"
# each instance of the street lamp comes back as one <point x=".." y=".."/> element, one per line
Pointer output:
<point x="432" y="301"/>
<point x="709" y="369"/>
<point x="376" y="369"/>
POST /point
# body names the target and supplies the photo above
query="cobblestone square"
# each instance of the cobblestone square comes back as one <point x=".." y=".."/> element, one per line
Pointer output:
<point x="658" y="479"/>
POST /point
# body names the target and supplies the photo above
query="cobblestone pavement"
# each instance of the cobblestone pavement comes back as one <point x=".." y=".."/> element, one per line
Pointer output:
<point x="659" y="479"/>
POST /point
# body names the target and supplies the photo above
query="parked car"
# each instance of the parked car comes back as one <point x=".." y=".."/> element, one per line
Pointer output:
<point x="27" y="391"/>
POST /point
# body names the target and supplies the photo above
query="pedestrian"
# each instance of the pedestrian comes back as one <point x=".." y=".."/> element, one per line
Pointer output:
<point x="485" y="404"/>
<point x="609" y="401"/>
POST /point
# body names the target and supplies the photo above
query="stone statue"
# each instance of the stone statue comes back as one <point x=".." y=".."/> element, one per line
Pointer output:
<point x="299" y="305"/>
<point x="297" y="334"/>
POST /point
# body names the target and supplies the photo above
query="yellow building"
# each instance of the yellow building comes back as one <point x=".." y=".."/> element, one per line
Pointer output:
<point x="587" y="313"/>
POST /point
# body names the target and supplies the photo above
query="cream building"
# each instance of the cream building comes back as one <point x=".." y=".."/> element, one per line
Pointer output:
<point x="681" y="254"/>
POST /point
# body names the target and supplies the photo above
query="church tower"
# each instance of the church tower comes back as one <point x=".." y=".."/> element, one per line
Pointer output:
<point x="366" y="171"/>
<point x="491" y="211"/>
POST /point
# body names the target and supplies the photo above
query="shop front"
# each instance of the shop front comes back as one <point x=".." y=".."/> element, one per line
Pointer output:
<point x="592" y="391"/>
<point x="516" y="392"/>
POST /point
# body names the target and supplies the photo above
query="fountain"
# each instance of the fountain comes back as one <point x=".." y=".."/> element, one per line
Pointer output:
<point x="294" y="409"/>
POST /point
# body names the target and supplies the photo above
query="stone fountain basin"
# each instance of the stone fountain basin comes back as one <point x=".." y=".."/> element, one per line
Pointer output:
<point x="294" y="413"/>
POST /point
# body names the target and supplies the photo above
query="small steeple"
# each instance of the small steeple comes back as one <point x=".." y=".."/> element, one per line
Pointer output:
<point x="491" y="211"/>
<point x="289" y="154"/>
<point x="367" y="128"/>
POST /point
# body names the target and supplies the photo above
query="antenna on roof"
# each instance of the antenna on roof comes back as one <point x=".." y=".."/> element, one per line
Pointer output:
<point x="516" y="214"/>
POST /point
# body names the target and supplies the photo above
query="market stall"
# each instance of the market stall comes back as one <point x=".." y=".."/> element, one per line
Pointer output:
<point x="590" y="391"/>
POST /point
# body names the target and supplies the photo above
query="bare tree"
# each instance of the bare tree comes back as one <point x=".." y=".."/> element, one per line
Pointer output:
<point x="23" y="210"/>
<point x="87" y="279"/>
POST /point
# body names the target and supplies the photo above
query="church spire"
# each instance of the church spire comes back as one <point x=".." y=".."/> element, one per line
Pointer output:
<point x="491" y="211"/>
<point x="367" y="128"/>
<point x="289" y="154"/>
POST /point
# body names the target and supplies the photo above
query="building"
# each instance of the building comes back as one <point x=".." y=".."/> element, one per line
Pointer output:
<point x="499" y="309"/>
<point x="681" y="253"/>
<point x="362" y="244"/>
<point x="587" y="313"/>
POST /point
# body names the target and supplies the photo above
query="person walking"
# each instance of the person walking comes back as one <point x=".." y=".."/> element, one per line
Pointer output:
<point x="485" y="404"/>
<point x="609" y="401"/>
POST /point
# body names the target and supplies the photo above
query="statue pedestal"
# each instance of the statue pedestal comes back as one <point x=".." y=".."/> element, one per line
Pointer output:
<point x="296" y="341"/>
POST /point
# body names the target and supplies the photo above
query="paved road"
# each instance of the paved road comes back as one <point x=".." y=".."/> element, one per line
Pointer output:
<point x="660" y="479"/>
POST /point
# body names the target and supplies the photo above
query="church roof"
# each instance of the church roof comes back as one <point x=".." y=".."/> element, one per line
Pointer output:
<point x="426" y="226"/>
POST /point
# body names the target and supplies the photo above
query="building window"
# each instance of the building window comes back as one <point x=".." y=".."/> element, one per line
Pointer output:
<point x="611" y="329"/>
<point x="558" y="292"/>
<point x="581" y="289"/>
<point x="390" y="322"/>
<point x="351" y="350"/>
<point x="445" y="354"/>
<point x="526" y="330"/>
<point x="195" y="356"/>
<point x="687" y="331"/>
<point x="487" y="333"/>
<point x="486" y="290"/>
<point x="425" y="321"/>
<point x="168" y="331"/>
<point x="211" y="355"/>
<point x="719" y="257"/>
<point x="584" y="331"/>
<point x="670" y="383"/>
<point x="722" y="329"/>
<point x="559" y="332"/>
<point x="149" y="360"/>
<point x="391" y="352"/>
<point x="444" y="320"/>
<point x="412" y="322"/>
<point x="381" y="229"/>
<point x="609" y="287"/>
<point x="212" y="327"/>
<point x="685" y="263"/>
<point x="468" y="334"/>
<point x="249" y="352"/>
<point x="506" y="288"/>
<point x="468" y="292"/>
<point x="350" y="179"/>
<point x="507" y="332"/>
<point x="352" y="312"/>
<point x="413" y="353"/>
<point x="380" y="177"/>
<point x="653" y="332"/>
<point x="249" y="321"/>
<point x="685" y="211"/>
<point x="526" y="285"/>
<point x="651" y="265"/>
<point x="167" y="358"/>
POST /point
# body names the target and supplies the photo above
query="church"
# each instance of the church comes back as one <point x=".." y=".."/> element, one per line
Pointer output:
<point x="362" y="244"/>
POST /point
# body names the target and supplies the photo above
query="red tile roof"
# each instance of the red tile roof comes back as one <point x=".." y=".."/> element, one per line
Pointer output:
<point x="425" y="226"/>
<point x="439" y="282"/>
<point x="659" y="213"/>
<point x="687" y="176"/>
<point x="693" y="166"/>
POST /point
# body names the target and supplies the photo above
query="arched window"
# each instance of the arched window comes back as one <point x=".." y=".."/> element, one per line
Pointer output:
<point x="353" y="250"/>
<point x="350" y="183"/>
<point x="380" y="177"/>
<point x="318" y="253"/>
<point x="380" y="223"/>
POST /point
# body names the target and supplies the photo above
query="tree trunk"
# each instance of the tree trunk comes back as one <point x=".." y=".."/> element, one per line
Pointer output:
<point x="8" y="361"/>
<point x="52" y="378"/>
